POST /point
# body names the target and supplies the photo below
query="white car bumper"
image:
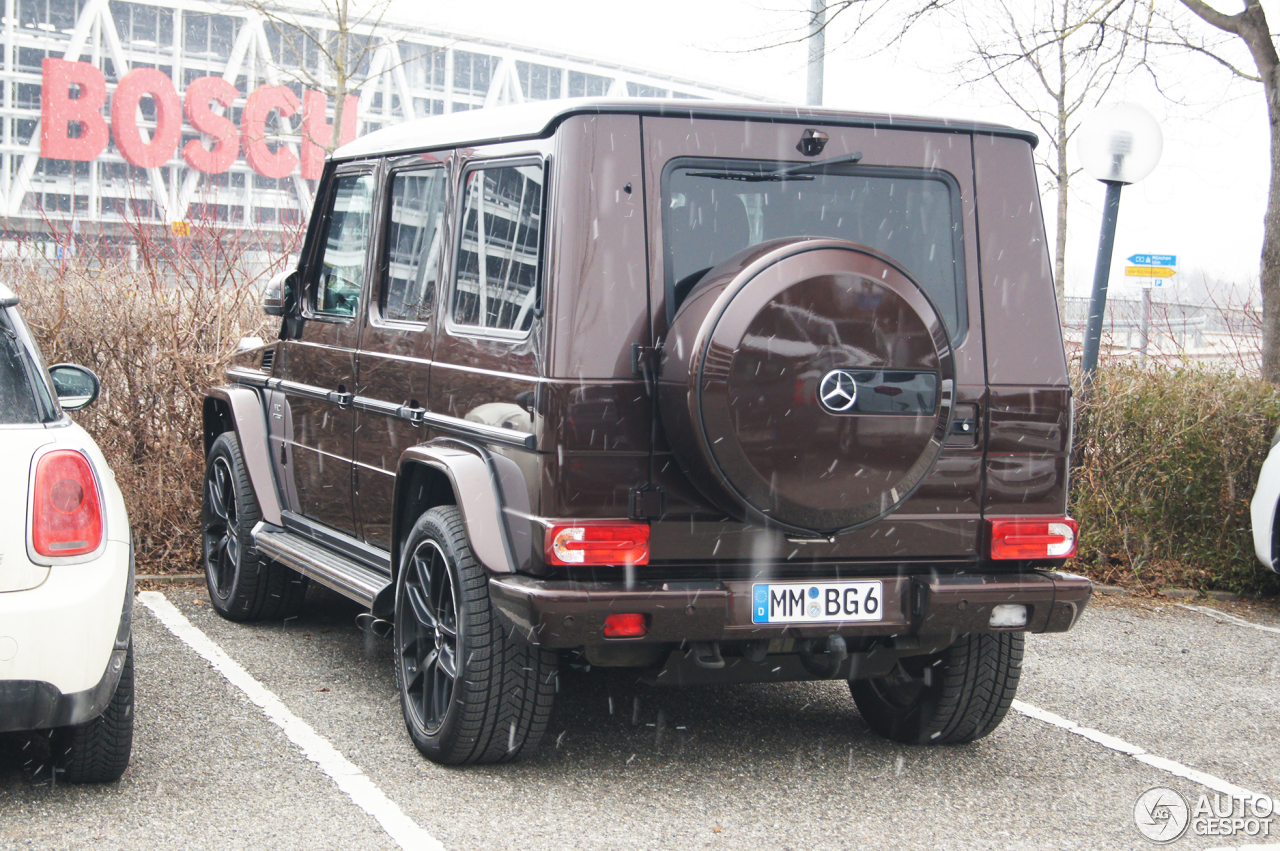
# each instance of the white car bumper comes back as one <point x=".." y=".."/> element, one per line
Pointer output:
<point x="62" y="644"/>
<point x="1263" y="507"/>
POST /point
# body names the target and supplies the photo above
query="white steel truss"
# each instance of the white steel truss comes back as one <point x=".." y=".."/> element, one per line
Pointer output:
<point x="410" y="73"/>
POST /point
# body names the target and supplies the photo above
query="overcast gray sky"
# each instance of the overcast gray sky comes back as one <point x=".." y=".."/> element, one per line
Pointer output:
<point x="1204" y="202"/>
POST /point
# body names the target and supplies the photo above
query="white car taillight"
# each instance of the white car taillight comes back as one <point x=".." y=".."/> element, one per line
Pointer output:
<point x="66" y="514"/>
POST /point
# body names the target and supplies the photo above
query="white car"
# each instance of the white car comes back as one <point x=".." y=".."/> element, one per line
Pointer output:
<point x="1265" y="506"/>
<point x="66" y="568"/>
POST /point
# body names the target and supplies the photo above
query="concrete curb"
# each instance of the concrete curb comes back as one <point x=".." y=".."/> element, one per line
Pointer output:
<point x="1187" y="593"/>
<point x="1112" y="590"/>
<point x="172" y="578"/>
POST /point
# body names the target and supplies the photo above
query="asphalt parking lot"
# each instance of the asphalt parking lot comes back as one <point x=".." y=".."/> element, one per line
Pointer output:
<point x="321" y="760"/>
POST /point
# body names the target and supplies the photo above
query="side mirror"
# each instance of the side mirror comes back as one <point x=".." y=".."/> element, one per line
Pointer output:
<point x="277" y="293"/>
<point x="75" y="386"/>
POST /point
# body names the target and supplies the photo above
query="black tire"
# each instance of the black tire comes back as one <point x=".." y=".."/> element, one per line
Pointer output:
<point x="470" y="692"/>
<point x="97" y="751"/>
<point x="243" y="585"/>
<point x="956" y="696"/>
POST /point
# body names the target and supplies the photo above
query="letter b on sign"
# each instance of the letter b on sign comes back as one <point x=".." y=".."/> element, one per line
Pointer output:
<point x="58" y="111"/>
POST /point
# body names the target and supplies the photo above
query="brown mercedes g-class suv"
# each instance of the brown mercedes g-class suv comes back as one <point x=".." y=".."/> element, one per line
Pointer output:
<point x="719" y="393"/>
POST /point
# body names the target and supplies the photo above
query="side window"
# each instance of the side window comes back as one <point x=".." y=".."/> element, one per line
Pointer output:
<point x="496" y="285"/>
<point x="413" y="244"/>
<point x="345" y="241"/>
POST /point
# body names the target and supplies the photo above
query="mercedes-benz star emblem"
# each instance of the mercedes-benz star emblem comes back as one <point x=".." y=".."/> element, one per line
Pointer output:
<point x="838" y="391"/>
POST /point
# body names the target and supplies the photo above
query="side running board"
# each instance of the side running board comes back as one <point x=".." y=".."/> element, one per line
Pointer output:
<point x="344" y="575"/>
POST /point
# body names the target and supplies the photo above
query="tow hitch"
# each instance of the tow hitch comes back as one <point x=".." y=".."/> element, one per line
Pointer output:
<point x="822" y="656"/>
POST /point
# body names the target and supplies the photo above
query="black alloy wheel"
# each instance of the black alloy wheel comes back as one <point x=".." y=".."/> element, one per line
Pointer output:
<point x="427" y="636"/>
<point x="221" y="541"/>
<point x="243" y="585"/>
<point x="471" y="691"/>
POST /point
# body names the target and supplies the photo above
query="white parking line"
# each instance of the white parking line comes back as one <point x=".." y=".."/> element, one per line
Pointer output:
<point x="1214" y="613"/>
<point x="1140" y="754"/>
<point x="350" y="779"/>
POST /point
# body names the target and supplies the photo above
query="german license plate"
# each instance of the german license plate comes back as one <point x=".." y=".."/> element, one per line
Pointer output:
<point x="817" y="602"/>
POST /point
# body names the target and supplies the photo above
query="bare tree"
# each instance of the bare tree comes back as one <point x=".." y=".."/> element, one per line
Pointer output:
<point x="1054" y="61"/>
<point x="326" y="46"/>
<point x="1222" y="45"/>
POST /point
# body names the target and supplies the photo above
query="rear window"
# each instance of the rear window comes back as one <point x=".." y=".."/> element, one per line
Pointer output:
<point x="715" y="208"/>
<point x="23" y="396"/>
<point x="499" y="251"/>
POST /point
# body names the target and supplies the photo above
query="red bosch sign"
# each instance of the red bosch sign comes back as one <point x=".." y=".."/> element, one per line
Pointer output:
<point x="60" y="110"/>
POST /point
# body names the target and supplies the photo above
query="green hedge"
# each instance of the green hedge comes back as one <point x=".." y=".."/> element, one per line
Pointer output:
<point x="1165" y="463"/>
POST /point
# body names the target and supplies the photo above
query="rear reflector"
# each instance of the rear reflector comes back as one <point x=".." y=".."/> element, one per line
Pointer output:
<point x="1049" y="537"/>
<point x="66" y="518"/>
<point x="598" y="542"/>
<point x="628" y="625"/>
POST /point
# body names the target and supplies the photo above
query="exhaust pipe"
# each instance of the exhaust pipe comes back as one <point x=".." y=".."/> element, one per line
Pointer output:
<point x="374" y="626"/>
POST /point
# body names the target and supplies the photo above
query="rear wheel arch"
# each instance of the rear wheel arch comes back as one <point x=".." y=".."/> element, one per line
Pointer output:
<point x="420" y="487"/>
<point x="473" y="479"/>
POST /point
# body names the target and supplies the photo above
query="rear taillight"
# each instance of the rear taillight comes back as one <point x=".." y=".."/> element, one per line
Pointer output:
<point x="66" y="516"/>
<point x="1040" y="537"/>
<point x="598" y="542"/>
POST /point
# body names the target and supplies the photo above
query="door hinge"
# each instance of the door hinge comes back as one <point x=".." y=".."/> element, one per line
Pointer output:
<point x="647" y="502"/>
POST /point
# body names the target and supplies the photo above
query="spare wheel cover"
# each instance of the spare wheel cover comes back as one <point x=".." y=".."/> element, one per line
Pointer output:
<point x="807" y="384"/>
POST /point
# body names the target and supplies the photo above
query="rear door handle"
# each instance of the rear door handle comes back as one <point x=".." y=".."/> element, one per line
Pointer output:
<point x="414" y="415"/>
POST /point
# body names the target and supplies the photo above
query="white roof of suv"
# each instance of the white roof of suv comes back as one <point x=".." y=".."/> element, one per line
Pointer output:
<point x="537" y="118"/>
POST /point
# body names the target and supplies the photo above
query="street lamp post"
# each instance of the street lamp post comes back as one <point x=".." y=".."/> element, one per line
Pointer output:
<point x="817" y="51"/>
<point x="1117" y="145"/>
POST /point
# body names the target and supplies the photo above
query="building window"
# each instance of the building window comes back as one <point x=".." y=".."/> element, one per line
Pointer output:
<point x="473" y="72"/>
<point x="539" y="82"/>
<point x="423" y="65"/>
<point x="209" y="35"/>
<point x="587" y="85"/>
<point x="142" y="26"/>
<point x="636" y="90"/>
<point x="293" y="46"/>
<point x="50" y="16"/>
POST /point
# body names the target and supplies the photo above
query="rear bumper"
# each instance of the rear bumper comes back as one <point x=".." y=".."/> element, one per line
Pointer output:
<point x="558" y="614"/>
<point x="67" y="642"/>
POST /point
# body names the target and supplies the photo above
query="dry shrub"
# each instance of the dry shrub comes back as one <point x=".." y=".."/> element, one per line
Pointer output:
<point x="157" y="337"/>
<point x="1165" y="463"/>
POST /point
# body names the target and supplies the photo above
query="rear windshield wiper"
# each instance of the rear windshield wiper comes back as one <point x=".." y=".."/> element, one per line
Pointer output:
<point x="804" y="171"/>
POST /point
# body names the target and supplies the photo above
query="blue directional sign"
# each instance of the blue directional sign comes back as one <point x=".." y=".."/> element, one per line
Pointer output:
<point x="1154" y="259"/>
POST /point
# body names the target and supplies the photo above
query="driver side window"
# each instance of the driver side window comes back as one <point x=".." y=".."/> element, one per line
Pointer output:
<point x="342" y="263"/>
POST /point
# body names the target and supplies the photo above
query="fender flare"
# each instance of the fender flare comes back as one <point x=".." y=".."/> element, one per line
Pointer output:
<point x="480" y="480"/>
<point x="249" y="421"/>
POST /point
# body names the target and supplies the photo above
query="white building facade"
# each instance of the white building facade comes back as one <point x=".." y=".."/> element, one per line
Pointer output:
<point x="105" y="186"/>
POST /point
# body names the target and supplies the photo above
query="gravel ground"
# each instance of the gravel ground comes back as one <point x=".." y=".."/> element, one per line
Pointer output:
<point x="625" y="765"/>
